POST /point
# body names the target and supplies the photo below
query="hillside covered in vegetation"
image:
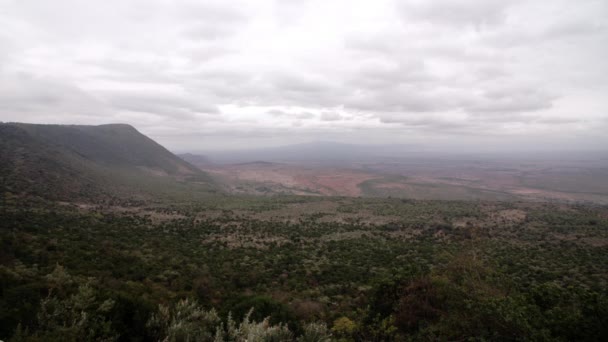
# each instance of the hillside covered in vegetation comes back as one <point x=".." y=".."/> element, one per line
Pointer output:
<point x="334" y="268"/>
<point x="68" y="162"/>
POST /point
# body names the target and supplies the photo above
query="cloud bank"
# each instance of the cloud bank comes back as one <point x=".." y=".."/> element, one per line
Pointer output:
<point x="199" y="75"/>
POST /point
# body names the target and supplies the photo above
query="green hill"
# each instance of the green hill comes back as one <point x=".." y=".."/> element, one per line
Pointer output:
<point x="90" y="162"/>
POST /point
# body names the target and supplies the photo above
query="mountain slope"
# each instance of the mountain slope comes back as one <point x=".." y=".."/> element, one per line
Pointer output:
<point x="68" y="162"/>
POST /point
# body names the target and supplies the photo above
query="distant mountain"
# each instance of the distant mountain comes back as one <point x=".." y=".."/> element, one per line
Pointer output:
<point x="69" y="162"/>
<point x="315" y="151"/>
<point x="258" y="163"/>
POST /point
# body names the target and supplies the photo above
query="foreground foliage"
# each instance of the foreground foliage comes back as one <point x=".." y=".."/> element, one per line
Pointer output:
<point x="311" y="270"/>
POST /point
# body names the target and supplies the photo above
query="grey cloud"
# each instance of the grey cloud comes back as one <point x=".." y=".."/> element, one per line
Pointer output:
<point x="490" y="73"/>
<point x="200" y="53"/>
<point x="457" y="12"/>
<point x="161" y="104"/>
<point x="506" y="117"/>
<point x="276" y="112"/>
<point x="298" y="115"/>
<point x="221" y="74"/>
<point x="372" y="43"/>
<point x="558" y="120"/>
<point x="491" y="106"/>
<point x="331" y="116"/>
<point x="461" y="127"/>
<point x="556" y="32"/>
<point x="208" y="31"/>
<point x="401" y="99"/>
<point x="213" y="11"/>
<point x="304" y="115"/>
<point x="6" y="49"/>
<point x="573" y="29"/>
<point x="424" y="121"/>
<point x="510" y="100"/>
<point x="299" y="83"/>
<point x="289" y="12"/>
<point x="134" y="71"/>
<point x="211" y="21"/>
<point x="25" y="93"/>
<point x="379" y="74"/>
<point x="284" y="88"/>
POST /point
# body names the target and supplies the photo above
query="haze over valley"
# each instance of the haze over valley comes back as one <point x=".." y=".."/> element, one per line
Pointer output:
<point x="333" y="169"/>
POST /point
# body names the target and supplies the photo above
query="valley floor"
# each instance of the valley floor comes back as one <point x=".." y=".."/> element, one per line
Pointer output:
<point x="461" y="179"/>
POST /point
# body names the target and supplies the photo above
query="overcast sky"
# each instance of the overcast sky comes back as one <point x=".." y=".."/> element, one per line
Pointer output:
<point x="199" y="75"/>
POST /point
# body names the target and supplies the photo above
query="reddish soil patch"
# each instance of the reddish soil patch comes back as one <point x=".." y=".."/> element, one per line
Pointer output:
<point x="334" y="182"/>
<point x="324" y="181"/>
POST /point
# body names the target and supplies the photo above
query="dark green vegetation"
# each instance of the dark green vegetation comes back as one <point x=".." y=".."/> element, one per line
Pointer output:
<point x="90" y="163"/>
<point x="369" y="269"/>
<point x="105" y="235"/>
